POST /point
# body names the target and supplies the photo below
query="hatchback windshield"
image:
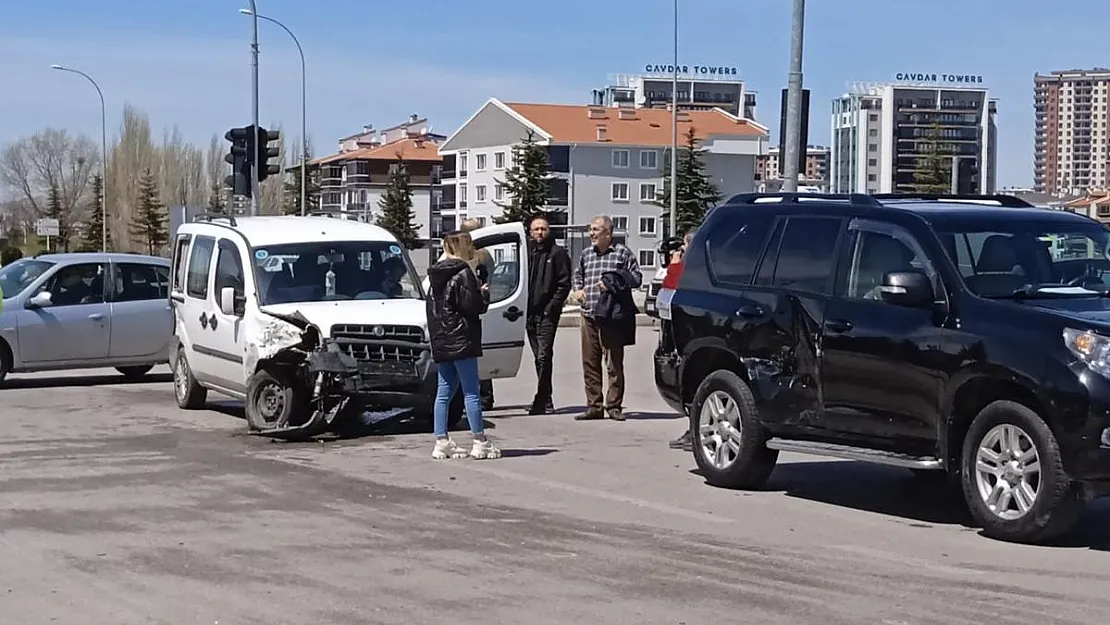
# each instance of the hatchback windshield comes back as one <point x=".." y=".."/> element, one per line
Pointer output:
<point x="1032" y="258"/>
<point x="316" y="272"/>
<point x="18" y="275"/>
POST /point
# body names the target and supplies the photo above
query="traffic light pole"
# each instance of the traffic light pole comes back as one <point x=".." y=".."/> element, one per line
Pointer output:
<point x="254" y="102"/>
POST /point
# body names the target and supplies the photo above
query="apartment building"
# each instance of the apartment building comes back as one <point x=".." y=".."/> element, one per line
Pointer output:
<point x="603" y="161"/>
<point x="768" y="170"/>
<point x="880" y="132"/>
<point x="354" y="179"/>
<point x="1071" y="152"/>
<point x="697" y="91"/>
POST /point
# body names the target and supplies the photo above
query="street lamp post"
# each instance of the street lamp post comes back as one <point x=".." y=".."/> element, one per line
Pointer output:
<point x="255" y="191"/>
<point x="791" y="166"/>
<point x="103" y="156"/>
<point x="674" y="131"/>
<point x="304" y="100"/>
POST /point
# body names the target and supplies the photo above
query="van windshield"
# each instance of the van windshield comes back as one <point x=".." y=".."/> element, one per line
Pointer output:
<point x="334" y="270"/>
<point x="1029" y="258"/>
<point x="18" y="275"/>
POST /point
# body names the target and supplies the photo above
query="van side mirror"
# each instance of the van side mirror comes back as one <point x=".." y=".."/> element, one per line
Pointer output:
<point x="231" y="303"/>
<point x="42" y="299"/>
<point x="912" y="289"/>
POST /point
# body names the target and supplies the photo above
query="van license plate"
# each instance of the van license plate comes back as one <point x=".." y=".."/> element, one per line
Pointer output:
<point x="388" y="367"/>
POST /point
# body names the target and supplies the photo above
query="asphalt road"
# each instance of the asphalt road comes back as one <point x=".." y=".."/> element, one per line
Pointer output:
<point x="117" y="508"/>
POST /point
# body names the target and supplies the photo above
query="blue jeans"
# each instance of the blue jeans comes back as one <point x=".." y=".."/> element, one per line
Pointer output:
<point x="452" y="374"/>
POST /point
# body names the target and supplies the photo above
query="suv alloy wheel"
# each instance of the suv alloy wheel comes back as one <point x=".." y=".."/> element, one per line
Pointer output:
<point x="729" y="442"/>
<point x="1013" y="476"/>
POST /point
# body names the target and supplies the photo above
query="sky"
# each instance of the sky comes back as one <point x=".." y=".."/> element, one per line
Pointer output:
<point x="187" y="62"/>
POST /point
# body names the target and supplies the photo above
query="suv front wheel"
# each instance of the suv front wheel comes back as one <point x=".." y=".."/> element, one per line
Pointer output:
<point x="1013" y="477"/>
<point x="729" y="442"/>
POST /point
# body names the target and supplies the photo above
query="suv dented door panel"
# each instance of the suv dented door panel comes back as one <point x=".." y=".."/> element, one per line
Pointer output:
<point x="503" y="324"/>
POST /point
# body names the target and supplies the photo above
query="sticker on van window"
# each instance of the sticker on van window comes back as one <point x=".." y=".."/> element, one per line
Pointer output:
<point x="393" y="249"/>
<point x="261" y="254"/>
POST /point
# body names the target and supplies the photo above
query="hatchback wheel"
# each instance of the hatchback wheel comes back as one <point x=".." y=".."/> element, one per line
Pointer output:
<point x="729" y="442"/>
<point x="1013" y="476"/>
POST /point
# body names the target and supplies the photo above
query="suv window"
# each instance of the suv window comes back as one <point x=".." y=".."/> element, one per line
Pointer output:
<point x="875" y="255"/>
<point x="137" y="282"/>
<point x="196" y="279"/>
<point x="807" y="255"/>
<point x="734" y="247"/>
<point x="74" y="285"/>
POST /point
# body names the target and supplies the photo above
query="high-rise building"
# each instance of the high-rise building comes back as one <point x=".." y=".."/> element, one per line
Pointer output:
<point x="881" y="134"/>
<point x="1071" y="152"/>
<point x="698" y="91"/>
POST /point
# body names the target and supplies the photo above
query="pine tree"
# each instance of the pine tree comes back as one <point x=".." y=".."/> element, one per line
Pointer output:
<point x="93" y="234"/>
<point x="293" y="188"/>
<point x="934" y="173"/>
<point x="54" y="210"/>
<point x="696" y="191"/>
<point x="527" y="182"/>
<point x="216" y="202"/>
<point x="396" y="214"/>
<point x="151" y="226"/>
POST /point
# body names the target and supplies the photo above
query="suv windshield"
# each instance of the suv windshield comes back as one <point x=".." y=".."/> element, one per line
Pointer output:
<point x="1031" y="258"/>
<point x="18" y="275"/>
<point x="334" y="270"/>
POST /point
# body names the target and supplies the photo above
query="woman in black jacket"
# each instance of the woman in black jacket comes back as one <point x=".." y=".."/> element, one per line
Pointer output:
<point x="456" y="302"/>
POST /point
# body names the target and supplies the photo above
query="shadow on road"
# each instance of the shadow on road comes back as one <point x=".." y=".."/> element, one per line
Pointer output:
<point x="78" y="381"/>
<point x="523" y="453"/>
<point x="897" y="492"/>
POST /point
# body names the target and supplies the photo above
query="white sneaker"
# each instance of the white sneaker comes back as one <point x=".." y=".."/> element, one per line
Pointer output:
<point x="483" y="450"/>
<point x="444" y="449"/>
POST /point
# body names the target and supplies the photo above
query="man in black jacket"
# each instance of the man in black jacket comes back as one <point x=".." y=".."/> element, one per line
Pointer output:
<point x="548" y="288"/>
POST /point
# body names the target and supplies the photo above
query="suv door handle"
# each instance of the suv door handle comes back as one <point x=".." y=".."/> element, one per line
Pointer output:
<point x="749" y="311"/>
<point x="838" y="325"/>
<point x="513" y="313"/>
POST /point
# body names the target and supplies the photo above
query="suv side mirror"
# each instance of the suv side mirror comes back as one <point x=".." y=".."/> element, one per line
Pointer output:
<point x="912" y="289"/>
<point x="231" y="303"/>
<point x="42" y="299"/>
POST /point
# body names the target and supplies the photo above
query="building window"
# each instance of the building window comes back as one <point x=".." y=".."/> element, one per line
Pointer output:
<point x="620" y="191"/>
<point x="480" y="193"/>
<point x="498" y="192"/>
<point x="499" y="160"/>
<point x="647" y="226"/>
<point x="646" y="258"/>
<point x="647" y="192"/>
<point x="649" y="159"/>
<point x="462" y="192"/>
<point x="479" y="162"/>
<point x="620" y="158"/>
<point x="872" y="162"/>
<point x="462" y="164"/>
<point x="620" y="223"/>
<point x="481" y="221"/>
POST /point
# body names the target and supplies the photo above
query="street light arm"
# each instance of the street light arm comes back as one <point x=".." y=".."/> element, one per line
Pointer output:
<point x="103" y="155"/>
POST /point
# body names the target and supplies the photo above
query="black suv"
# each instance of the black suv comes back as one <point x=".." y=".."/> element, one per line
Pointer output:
<point x="967" y="336"/>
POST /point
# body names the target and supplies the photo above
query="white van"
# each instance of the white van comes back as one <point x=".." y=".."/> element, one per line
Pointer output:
<point x="338" y="323"/>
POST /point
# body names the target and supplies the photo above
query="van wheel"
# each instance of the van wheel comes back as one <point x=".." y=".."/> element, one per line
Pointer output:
<point x="729" y="442"/>
<point x="1013" y="477"/>
<point x="190" y="394"/>
<point x="274" y="401"/>
<point x="134" y="373"/>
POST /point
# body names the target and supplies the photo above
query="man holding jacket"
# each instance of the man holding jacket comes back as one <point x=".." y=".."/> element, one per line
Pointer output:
<point x="548" y="287"/>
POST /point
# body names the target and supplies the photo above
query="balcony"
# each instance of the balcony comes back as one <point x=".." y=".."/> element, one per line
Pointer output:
<point x="447" y="174"/>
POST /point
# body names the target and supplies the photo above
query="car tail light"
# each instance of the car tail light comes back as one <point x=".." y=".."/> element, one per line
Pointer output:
<point x="666" y="291"/>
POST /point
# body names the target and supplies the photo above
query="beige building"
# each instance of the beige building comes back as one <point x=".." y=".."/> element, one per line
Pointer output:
<point x="1071" y="149"/>
<point x="768" y="170"/>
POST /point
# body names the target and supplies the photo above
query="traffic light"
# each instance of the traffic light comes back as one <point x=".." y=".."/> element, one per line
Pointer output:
<point x="240" y="156"/>
<point x="265" y="152"/>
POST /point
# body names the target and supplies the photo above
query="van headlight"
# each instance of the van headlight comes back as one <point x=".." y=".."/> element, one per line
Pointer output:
<point x="1093" y="349"/>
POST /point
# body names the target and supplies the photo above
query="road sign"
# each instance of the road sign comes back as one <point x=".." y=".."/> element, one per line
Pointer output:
<point x="46" y="227"/>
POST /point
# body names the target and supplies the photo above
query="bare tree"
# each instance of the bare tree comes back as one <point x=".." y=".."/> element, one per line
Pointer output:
<point x="216" y="169"/>
<point x="50" y="159"/>
<point x="133" y="154"/>
<point x="273" y="188"/>
<point x="181" y="175"/>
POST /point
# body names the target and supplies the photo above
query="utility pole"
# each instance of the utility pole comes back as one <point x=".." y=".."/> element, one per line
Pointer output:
<point x="255" y="191"/>
<point x="674" y="131"/>
<point x="790" y="160"/>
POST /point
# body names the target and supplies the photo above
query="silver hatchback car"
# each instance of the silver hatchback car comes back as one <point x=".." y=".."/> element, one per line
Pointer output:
<point x="85" y="310"/>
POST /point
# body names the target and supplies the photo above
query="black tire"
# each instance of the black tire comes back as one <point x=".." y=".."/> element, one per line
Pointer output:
<point x="189" y="393"/>
<point x="1058" y="502"/>
<point x="273" y="398"/>
<point x="6" y="360"/>
<point x="135" y="373"/>
<point x="754" y="462"/>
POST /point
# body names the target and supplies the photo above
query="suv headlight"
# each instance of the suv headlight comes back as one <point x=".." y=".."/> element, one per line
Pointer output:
<point x="1093" y="349"/>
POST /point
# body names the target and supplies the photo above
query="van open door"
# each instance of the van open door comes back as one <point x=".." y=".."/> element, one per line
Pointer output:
<point x="503" y="325"/>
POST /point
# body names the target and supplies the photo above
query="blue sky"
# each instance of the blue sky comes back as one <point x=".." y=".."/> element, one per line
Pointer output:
<point x="187" y="62"/>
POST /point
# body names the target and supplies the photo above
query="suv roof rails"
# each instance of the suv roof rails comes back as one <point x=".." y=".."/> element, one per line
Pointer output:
<point x="853" y="198"/>
<point x="1005" y="201"/>
<point x="210" y="216"/>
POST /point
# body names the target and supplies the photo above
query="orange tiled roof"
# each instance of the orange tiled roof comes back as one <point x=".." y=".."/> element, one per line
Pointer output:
<point x="409" y="149"/>
<point x="568" y="123"/>
<point x="1097" y="199"/>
